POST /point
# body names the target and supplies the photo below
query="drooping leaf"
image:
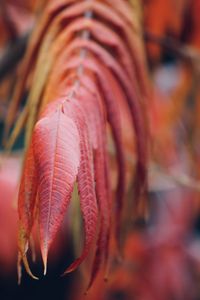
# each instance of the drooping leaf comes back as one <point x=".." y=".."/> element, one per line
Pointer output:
<point x="57" y="157"/>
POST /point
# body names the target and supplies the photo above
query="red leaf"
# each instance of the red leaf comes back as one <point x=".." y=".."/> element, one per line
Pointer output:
<point x="91" y="102"/>
<point x="27" y="205"/>
<point x="85" y="183"/>
<point x="57" y="156"/>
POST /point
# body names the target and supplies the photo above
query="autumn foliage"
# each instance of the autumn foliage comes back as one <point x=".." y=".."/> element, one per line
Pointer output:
<point x="76" y="88"/>
<point x="100" y="134"/>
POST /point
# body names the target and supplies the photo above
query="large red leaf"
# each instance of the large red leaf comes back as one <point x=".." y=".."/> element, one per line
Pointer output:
<point x="57" y="156"/>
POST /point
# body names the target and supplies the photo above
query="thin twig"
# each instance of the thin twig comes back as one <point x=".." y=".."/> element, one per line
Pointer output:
<point x="182" y="51"/>
<point x="177" y="178"/>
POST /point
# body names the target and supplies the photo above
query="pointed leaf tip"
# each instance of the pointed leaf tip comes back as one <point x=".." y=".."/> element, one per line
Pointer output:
<point x="57" y="160"/>
<point x="44" y="259"/>
<point x="28" y="270"/>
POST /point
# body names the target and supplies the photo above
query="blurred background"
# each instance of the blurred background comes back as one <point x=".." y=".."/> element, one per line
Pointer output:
<point x="161" y="258"/>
